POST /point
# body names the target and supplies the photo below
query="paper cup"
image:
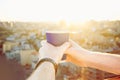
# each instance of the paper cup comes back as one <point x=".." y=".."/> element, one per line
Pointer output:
<point x="57" y="38"/>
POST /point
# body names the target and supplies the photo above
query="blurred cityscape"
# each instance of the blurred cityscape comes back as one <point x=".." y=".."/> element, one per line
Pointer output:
<point x="20" y="41"/>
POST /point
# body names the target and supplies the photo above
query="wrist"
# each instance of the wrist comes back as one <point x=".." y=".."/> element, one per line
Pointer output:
<point x="54" y="59"/>
<point x="81" y="56"/>
<point x="45" y="66"/>
<point x="49" y="60"/>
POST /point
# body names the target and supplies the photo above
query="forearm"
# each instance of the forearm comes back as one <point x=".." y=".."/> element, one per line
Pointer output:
<point x="45" y="71"/>
<point x="103" y="61"/>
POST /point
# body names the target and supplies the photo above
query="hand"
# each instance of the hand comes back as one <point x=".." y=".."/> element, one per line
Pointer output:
<point x="75" y="54"/>
<point x="53" y="52"/>
<point x="74" y="48"/>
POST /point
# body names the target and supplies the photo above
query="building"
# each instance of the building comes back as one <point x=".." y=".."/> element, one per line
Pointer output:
<point x="35" y="59"/>
<point x="32" y="36"/>
<point x="8" y="45"/>
<point x="11" y="38"/>
<point x="26" y="56"/>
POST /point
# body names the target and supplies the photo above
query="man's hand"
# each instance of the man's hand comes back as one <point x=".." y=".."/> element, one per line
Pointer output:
<point x="75" y="54"/>
<point x="49" y="51"/>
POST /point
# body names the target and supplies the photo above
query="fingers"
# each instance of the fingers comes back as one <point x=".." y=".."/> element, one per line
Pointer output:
<point x="65" y="46"/>
<point x="72" y="42"/>
<point x="44" y="43"/>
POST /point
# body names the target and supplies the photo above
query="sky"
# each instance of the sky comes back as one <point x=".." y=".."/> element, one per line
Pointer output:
<point x="56" y="10"/>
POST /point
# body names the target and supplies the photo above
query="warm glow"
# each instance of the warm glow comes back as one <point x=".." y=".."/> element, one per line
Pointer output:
<point x="56" y="10"/>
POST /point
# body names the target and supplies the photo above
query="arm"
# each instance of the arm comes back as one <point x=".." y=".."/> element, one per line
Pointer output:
<point x="103" y="61"/>
<point x="45" y="71"/>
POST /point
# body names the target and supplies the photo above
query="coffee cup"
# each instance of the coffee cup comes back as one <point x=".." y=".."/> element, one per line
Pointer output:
<point x="57" y="38"/>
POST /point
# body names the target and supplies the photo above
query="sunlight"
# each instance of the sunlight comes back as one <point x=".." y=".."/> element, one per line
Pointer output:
<point x="56" y="10"/>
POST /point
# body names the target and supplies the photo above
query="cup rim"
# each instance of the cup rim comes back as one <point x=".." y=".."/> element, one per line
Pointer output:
<point x="56" y="32"/>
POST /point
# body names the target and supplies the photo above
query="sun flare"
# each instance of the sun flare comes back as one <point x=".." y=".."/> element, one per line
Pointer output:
<point x="56" y="10"/>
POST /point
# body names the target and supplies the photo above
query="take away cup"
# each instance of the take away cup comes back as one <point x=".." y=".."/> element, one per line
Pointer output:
<point x="57" y="38"/>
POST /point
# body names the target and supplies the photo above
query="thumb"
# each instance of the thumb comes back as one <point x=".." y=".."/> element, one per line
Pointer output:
<point x="65" y="46"/>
